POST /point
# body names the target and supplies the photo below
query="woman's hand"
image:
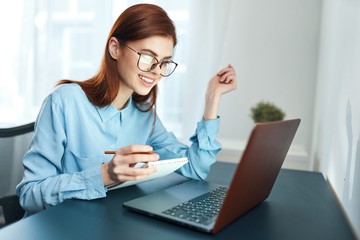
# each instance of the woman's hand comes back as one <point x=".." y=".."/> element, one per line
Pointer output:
<point x="223" y="82"/>
<point x="121" y="167"/>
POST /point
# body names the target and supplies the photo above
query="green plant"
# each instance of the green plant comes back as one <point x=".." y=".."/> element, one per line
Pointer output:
<point x="266" y="112"/>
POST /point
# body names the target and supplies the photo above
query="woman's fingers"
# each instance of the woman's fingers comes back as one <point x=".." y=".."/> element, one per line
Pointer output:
<point x="122" y="166"/>
<point x="134" y="148"/>
<point x="227" y="77"/>
<point x="130" y="173"/>
<point x="226" y="69"/>
<point x="132" y="159"/>
<point x="126" y="173"/>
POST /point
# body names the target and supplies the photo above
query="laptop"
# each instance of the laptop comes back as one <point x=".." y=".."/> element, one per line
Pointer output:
<point x="210" y="207"/>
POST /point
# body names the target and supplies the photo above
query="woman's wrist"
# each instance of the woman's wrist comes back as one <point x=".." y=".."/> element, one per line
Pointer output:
<point x="105" y="175"/>
<point x="211" y="106"/>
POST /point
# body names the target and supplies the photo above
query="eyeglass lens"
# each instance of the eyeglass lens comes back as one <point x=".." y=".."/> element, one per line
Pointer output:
<point x="147" y="63"/>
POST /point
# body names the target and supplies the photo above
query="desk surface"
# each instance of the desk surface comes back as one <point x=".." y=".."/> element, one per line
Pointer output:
<point x="300" y="206"/>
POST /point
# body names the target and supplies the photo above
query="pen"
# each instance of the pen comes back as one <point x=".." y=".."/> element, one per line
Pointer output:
<point x="113" y="152"/>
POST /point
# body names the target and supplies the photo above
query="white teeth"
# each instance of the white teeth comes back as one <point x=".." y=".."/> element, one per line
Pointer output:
<point x="146" y="79"/>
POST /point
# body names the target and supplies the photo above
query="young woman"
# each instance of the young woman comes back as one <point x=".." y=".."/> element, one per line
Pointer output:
<point x="115" y="110"/>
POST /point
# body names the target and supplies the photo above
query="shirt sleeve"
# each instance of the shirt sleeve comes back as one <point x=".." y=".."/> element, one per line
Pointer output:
<point x="201" y="153"/>
<point x="45" y="183"/>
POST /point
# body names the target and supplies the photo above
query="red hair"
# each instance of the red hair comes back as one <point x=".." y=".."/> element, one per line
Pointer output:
<point x="136" y="22"/>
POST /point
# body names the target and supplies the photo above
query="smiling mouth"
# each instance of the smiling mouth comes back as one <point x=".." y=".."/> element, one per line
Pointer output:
<point x="145" y="79"/>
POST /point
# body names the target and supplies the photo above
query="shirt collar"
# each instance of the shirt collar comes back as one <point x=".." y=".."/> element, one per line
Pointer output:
<point x="109" y="111"/>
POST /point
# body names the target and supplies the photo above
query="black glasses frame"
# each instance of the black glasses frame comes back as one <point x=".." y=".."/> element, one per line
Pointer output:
<point x="153" y="66"/>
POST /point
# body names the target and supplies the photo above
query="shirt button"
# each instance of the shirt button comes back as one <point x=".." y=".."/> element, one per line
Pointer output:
<point x="112" y="146"/>
<point x="96" y="193"/>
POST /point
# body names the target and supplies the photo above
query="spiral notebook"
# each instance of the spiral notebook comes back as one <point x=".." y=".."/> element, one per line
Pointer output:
<point x="164" y="167"/>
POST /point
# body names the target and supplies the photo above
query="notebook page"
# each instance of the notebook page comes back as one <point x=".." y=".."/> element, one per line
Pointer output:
<point x="164" y="167"/>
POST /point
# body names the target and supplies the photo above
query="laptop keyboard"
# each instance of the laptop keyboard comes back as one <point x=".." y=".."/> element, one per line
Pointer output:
<point x="202" y="209"/>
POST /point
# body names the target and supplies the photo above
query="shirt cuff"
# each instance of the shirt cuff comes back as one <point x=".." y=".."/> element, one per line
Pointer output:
<point x="206" y="133"/>
<point x="94" y="186"/>
<point x="211" y="127"/>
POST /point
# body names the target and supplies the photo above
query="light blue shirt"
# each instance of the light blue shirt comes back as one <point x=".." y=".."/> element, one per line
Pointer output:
<point x="65" y="156"/>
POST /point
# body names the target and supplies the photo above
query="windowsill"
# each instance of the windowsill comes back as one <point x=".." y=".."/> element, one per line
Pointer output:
<point x="297" y="157"/>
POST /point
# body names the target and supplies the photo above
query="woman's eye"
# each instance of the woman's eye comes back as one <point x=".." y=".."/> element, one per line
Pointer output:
<point x="147" y="59"/>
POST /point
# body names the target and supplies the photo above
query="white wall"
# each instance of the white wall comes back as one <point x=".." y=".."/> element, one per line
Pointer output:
<point x="274" y="48"/>
<point x="336" y="136"/>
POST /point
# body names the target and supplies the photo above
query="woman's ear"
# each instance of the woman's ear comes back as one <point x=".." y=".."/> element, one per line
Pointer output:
<point x="114" y="48"/>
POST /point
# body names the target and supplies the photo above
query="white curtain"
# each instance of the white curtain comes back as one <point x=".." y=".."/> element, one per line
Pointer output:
<point x="207" y="38"/>
<point x="43" y="42"/>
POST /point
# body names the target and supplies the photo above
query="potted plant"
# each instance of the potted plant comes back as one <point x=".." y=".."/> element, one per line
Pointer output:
<point x="266" y="112"/>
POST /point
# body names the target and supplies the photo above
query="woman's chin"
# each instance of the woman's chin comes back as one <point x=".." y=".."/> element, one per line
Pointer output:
<point x="143" y="92"/>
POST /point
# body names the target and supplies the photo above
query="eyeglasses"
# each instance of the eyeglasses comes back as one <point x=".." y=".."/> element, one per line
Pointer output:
<point x="146" y="63"/>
